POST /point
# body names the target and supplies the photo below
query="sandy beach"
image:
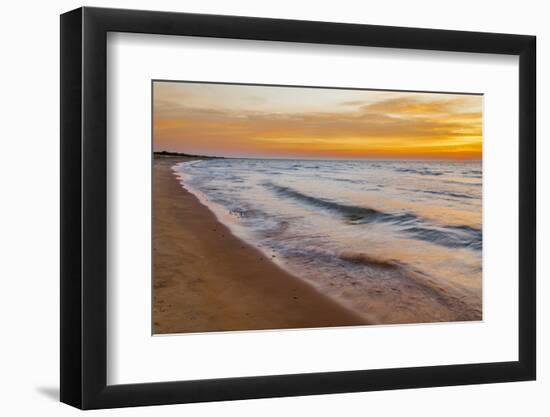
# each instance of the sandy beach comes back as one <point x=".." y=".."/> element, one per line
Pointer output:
<point x="206" y="279"/>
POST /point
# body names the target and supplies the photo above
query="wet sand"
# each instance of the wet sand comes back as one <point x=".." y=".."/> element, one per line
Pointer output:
<point x="206" y="279"/>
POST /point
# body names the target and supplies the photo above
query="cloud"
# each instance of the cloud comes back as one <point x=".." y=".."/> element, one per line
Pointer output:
<point x="444" y="127"/>
<point x="353" y="103"/>
<point x="414" y="106"/>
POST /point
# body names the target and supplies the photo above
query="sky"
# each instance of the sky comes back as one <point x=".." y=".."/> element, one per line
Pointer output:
<point x="314" y="123"/>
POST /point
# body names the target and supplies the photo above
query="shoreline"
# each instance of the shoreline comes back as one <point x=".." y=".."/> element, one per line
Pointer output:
<point x="206" y="279"/>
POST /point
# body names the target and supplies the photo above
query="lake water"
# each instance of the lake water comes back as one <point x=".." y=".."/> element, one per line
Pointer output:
<point x="397" y="242"/>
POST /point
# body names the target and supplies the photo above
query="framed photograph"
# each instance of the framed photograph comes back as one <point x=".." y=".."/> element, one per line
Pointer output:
<point x="257" y="208"/>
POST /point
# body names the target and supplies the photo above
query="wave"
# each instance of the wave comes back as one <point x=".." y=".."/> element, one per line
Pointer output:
<point x="467" y="183"/>
<point x="473" y="174"/>
<point x="352" y="213"/>
<point x="442" y="193"/>
<point x="450" y="236"/>
<point x="344" y="180"/>
<point x="448" y="194"/>
<point x="445" y="235"/>
<point x="364" y="259"/>
<point x="419" y="171"/>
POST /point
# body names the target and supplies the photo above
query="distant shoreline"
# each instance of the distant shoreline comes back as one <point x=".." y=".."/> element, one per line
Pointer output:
<point x="184" y="155"/>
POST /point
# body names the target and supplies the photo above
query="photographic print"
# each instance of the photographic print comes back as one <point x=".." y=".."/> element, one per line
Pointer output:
<point x="283" y="207"/>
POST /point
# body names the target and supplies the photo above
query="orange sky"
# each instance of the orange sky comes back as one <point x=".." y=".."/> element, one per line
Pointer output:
<point x="289" y="122"/>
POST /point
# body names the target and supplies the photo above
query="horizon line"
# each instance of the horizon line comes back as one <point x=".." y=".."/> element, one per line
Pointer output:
<point x="185" y="154"/>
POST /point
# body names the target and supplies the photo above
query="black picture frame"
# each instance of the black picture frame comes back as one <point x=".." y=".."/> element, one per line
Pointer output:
<point x="84" y="207"/>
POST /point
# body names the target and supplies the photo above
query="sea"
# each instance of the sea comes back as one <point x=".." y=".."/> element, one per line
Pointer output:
<point x="394" y="241"/>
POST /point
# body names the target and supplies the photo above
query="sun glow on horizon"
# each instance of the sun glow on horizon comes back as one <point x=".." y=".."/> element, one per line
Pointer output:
<point x="314" y="123"/>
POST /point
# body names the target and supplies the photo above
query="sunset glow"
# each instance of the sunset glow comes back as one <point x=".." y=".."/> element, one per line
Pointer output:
<point x="314" y="123"/>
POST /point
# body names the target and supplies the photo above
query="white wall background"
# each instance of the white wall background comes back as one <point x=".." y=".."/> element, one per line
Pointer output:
<point x="29" y="237"/>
